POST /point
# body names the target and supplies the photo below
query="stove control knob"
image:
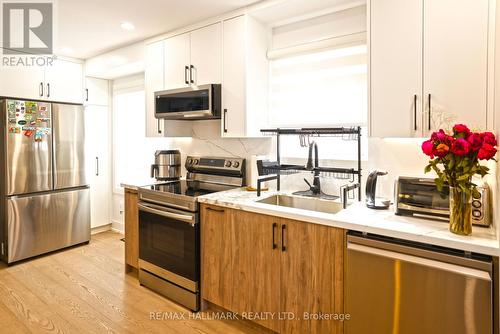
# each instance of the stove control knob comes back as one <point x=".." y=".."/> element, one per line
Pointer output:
<point x="227" y="164"/>
<point x="476" y="214"/>
<point x="189" y="161"/>
<point x="476" y="204"/>
<point x="236" y="164"/>
<point x="195" y="161"/>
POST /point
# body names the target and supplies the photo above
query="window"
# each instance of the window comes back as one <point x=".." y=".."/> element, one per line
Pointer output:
<point x="323" y="88"/>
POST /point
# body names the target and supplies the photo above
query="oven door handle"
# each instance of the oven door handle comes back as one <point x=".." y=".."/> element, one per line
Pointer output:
<point x="185" y="218"/>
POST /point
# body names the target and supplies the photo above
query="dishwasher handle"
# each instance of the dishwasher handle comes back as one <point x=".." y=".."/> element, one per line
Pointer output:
<point x="439" y="265"/>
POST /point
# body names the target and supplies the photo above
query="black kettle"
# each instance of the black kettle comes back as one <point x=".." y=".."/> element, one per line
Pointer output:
<point x="372" y="201"/>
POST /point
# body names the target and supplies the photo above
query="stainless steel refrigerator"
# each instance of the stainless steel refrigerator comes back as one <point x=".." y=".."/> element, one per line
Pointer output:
<point x="45" y="199"/>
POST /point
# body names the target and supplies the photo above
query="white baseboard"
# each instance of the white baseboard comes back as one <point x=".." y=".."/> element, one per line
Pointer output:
<point x="100" y="229"/>
<point x="117" y="226"/>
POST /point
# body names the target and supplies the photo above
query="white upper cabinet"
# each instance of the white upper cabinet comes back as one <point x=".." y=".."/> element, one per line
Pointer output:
<point x="245" y="74"/>
<point x="64" y="81"/>
<point x="153" y="78"/>
<point x="22" y="82"/>
<point x="455" y="62"/>
<point x="194" y="58"/>
<point x="396" y="68"/>
<point x="177" y="61"/>
<point x="206" y="55"/>
<point x="428" y="68"/>
<point x="96" y="91"/>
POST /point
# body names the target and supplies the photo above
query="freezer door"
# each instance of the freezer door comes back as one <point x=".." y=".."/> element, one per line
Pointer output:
<point x="69" y="146"/>
<point x="43" y="223"/>
<point x="394" y="291"/>
<point x="28" y="146"/>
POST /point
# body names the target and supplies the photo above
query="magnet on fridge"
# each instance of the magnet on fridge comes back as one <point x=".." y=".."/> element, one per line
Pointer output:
<point x="28" y="133"/>
<point x="38" y="137"/>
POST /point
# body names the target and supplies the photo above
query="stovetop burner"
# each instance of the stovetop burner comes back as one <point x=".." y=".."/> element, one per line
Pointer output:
<point x="180" y="187"/>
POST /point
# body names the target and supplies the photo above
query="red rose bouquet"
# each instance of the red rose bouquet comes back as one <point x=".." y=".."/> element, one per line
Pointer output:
<point x="455" y="158"/>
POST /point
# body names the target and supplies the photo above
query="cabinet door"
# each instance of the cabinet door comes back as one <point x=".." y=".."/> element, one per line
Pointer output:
<point x="131" y="228"/>
<point x="64" y="81"/>
<point x="96" y="91"/>
<point x="233" y="78"/>
<point x="177" y="58"/>
<point x="98" y="163"/>
<point x="455" y="62"/>
<point x="22" y="82"/>
<point x="206" y="55"/>
<point x="396" y="68"/>
<point x="311" y="276"/>
<point x="216" y="256"/>
<point x="153" y="78"/>
<point x="256" y="266"/>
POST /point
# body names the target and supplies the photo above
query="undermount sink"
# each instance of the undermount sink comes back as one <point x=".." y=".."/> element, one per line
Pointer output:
<point x="304" y="203"/>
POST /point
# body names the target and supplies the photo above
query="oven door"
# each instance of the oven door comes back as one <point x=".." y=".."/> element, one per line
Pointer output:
<point x="169" y="244"/>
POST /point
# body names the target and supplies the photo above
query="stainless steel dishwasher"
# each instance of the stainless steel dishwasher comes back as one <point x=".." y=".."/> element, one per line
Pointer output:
<point x="398" y="287"/>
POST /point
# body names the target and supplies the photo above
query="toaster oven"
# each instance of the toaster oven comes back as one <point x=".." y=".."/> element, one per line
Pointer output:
<point x="416" y="196"/>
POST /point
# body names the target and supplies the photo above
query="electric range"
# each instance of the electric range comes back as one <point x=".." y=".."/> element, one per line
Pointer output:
<point x="169" y="226"/>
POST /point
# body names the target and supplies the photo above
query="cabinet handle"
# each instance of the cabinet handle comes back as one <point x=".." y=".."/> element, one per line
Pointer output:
<point x="274" y="229"/>
<point x="40" y="90"/>
<point x="215" y="210"/>
<point x="191" y="68"/>
<point x="96" y="166"/>
<point x="429" y="115"/>
<point x="48" y="90"/>
<point x="225" y="113"/>
<point x="415" y="112"/>
<point x="186" y="69"/>
<point x="87" y="94"/>
<point x="283" y="247"/>
<point x="158" y="126"/>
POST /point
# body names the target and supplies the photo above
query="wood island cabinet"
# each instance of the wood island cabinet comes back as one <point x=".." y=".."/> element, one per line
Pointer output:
<point x="258" y="263"/>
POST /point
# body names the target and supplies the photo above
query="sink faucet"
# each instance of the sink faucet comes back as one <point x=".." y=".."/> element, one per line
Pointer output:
<point x="316" y="186"/>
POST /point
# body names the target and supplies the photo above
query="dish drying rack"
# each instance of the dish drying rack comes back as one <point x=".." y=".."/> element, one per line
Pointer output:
<point x="274" y="169"/>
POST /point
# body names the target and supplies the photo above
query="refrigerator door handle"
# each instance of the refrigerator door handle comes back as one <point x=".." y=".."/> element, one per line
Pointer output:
<point x="48" y="90"/>
<point x="96" y="166"/>
<point x="40" y="89"/>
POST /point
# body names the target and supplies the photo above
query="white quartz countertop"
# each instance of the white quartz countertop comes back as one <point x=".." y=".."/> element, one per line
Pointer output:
<point x="358" y="217"/>
<point x="137" y="183"/>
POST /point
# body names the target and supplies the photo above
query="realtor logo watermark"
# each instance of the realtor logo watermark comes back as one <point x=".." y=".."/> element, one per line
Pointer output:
<point x="27" y="31"/>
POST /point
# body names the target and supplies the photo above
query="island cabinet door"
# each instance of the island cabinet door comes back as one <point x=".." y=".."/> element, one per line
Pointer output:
<point x="256" y="266"/>
<point x="216" y="271"/>
<point x="311" y="277"/>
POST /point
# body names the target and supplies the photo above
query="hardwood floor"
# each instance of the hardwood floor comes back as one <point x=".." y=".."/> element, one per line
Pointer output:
<point x="86" y="290"/>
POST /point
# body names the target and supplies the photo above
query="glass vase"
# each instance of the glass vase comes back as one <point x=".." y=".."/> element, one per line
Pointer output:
<point x="460" y="211"/>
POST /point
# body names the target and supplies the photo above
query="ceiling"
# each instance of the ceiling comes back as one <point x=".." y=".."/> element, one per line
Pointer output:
<point x="88" y="28"/>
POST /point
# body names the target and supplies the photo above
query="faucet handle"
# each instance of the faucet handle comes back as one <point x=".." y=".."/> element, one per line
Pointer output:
<point x="305" y="180"/>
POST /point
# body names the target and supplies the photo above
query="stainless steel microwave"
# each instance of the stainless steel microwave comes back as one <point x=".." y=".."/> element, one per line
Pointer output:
<point x="416" y="196"/>
<point x="190" y="103"/>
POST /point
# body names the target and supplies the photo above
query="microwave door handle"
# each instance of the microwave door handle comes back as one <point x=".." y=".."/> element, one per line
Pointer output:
<point x="177" y="216"/>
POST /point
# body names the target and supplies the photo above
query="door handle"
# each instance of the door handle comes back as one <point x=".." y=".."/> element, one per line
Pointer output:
<point x="415" y="112"/>
<point x="283" y="247"/>
<point x="215" y="210"/>
<point x="274" y="242"/>
<point x="158" y="126"/>
<point x="191" y="68"/>
<point x="40" y="89"/>
<point x="48" y="90"/>
<point x="225" y="127"/>
<point x="97" y="166"/>
<point x="87" y="94"/>
<point x="429" y="115"/>
<point x="186" y="69"/>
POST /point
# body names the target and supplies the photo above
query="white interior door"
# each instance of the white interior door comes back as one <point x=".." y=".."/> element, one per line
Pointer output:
<point x="396" y="68"/>
<point x="64" y="82"/>
<point x="98" y="163"/>
<point x="206" y="55"/>
<point x="177" y="61"/>
<point x="22" y="82"/>
<point x="455" y="62"/>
